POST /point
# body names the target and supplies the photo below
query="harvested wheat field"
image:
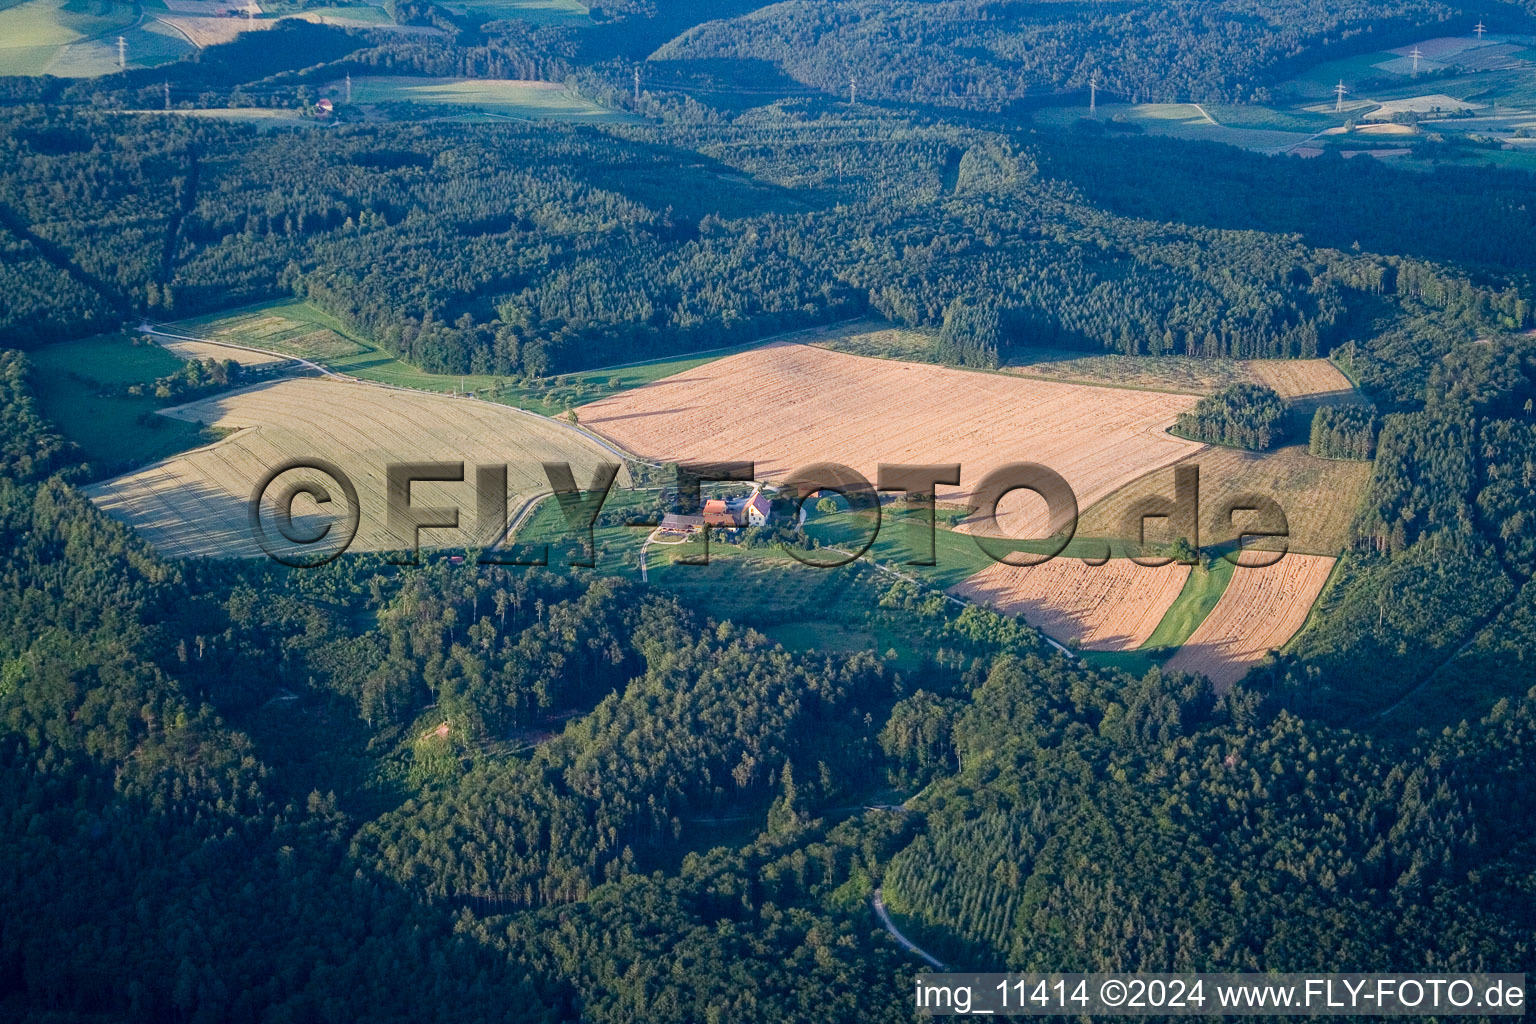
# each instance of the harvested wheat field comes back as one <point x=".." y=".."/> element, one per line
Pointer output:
<point x="196" y="504"/>
<point x="788" y="406"/>
<point x="188" y="349"/>
<point x="1260" y="610"/>
<point x="212" y="31"/>
<point x="1300" y="378"/>
<point x="1111" y="607"/>
<point x="1318" y="497"/>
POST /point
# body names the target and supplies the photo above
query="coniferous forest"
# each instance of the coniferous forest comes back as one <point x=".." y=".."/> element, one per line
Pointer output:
<point x="233" y="791"/>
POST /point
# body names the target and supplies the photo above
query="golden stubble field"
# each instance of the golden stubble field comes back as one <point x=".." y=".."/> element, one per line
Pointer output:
<point x="1111" y="607"/>
<point x="188" y="349"/>
<point x="788" y="406"/>
<point x="1260" y="610"/>
<point x="1318" y="496"/>
<point x="197" y="503"/>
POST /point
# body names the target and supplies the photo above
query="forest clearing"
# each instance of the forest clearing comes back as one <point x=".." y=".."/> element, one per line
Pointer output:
<point x="1111" y="607"/>
<point x="1292" y="379"/>
<point x="515" y="98"/>
<point x="1260" y="610"/>
<point x="288" y="326"/>
<point x="196" y="504"/>
<point x="787" y="407"/>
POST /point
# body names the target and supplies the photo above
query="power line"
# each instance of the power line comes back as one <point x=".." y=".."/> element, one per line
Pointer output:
<point x="122" y="53"/>
<point x="1480" y="28"/>
<point x="1338" y="107"/>
<point x="1093" y="95"/>
<point x="1417" y="55"/>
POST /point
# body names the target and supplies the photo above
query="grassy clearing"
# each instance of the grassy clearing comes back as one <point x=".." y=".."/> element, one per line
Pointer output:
<point x="1317" y="82"/>
<point x="506" y="97"/>
<point x="362" y="15"/>
<point x="32" y="34"/>
<point x="564" y="13"/>
<point x="1259" y="118"/>
<point x="289" y="326"/>
<point x="957" y="556"/>
<point x="617" y="547"/>
<point x="79" y="385"/>
<point x="880" y="341"/>
<point x="299" y="328"/>
<point x="1186" y="121"/>
<point x="554" y="395"/>
<point x="1201" y="591"/>
<point x="1182" y="374"/>
<point x="261" y="117"/>
<point x="802" y="607"/>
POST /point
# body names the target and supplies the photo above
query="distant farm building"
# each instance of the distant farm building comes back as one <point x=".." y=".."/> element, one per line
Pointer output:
<point x="324" y="108"/>
<point x="757" y="511"/>
<point x="729" y="514"/>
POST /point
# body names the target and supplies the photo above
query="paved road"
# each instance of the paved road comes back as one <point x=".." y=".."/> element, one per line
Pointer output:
<point x="879" y="904"/>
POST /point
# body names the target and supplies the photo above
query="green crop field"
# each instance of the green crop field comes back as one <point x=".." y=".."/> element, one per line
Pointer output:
<point x="1317" y="82"/>
<point x="78" y="38"/>
<point x="1185" y="121"/>
<point x="1255" y="117"/>
<point x="505" y="97"/>
<point x="81" y="387"/>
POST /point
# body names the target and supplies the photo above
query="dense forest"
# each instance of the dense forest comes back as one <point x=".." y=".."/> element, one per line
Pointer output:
<point x="230" y="791"/>
<point x="529" y="250"/>
<point x="337" y="782"/>
<point x="1243" y="415"/>
<point x="990" y="54"/>
<point x="1347" y="432"/>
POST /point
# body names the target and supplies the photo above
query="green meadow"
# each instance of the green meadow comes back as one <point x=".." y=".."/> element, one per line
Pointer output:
<point x="78" y="38"/>
<point x="81" y="387"/>
<point x="562" y="13"/>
